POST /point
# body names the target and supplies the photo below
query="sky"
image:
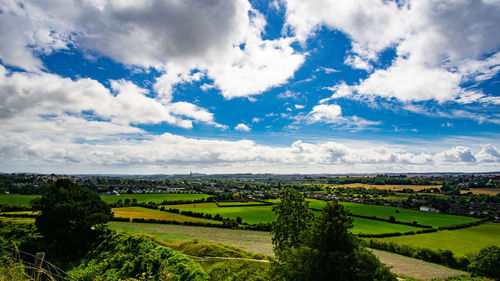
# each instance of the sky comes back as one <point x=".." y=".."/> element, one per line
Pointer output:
<point x="238" y="86"/>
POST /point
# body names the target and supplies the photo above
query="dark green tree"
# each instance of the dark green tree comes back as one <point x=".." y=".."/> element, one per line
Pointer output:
<point x="486" y="263"/>
<point x="70" y="215"/>
<point x="292" y="218"/>
<point x="326" y="250"/>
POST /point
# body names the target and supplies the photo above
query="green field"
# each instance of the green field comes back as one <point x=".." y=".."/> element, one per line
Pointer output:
<point x="251" y="214"/>
<point x="24" y="200"/>
<point x="144" y="213"/>
<point x="16" y="199"/>
<point x="368" y="226"/>
<point x="407" y="215"/>
<point x="460" y="241"/>
<point x="229" y="203"/>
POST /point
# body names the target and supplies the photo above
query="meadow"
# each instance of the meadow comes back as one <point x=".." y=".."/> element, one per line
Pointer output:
<point x="144" y="213"/>
<point x="24" y="200"/>
<point x="460" y="241"/>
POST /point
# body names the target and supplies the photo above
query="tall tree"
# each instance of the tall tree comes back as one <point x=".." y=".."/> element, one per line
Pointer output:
<point x="292" y="218"/>
<point x="70" y="214"/>
<point x="326" y="250"/>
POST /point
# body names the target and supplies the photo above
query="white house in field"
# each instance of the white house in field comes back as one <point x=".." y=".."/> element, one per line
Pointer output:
<point x="427" y="209"/>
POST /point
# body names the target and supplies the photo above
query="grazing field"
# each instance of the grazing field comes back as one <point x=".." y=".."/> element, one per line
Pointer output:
<point x="16" y="199"/>
<point x="460" y="241"/>
<point x="154" y="197"/>
<point x="394" y="187"/>
<point x="144" y="213"/>
<point x="489" y="191"/>
<point x="407" y="215"/>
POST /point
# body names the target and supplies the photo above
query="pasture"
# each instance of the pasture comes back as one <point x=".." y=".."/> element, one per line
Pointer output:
<point x="144" y="213"/>
<point x="394" y="187"/>
<point x="460" y="241"/>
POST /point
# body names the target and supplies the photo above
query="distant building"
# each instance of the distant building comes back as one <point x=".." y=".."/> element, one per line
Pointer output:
<point x="427" y="209"/>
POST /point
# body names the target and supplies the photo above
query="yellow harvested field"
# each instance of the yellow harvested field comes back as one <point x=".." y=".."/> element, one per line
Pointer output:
<point x="489" y="191"/>
<point x="388" y="186"/>
<point x="144" y="213"/>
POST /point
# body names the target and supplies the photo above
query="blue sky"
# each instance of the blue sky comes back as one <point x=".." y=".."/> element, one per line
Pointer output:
<point x="283" y="86"/>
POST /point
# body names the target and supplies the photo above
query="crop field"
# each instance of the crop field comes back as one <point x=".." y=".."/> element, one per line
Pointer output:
<point x="460" y="241"/>
<point x="16" y="199"/>
<point x="144" y="213"/>
<point x="388" y="186"/>
<point x="154" y="197"/>
<point x="489" y="191"/>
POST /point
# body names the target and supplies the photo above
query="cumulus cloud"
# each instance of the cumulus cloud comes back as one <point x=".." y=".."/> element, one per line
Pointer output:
<point x="439" y="45"/>
<point x="242" y="127"/>
<point x="66" y="149"/>
<point x="31" y="94"/>
<point x="456" y="154"/>
<point x="332" y="114"/>
<point x="222" y="39"/>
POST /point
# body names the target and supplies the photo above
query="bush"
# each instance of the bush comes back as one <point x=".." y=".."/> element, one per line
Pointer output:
<point x="120" y="256"/>
<point x="486" y="263"/>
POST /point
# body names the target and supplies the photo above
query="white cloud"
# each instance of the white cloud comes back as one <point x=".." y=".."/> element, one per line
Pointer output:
<point x="105" y="148"/>
<point x="222" y="39"/>
<point x="324" y="113"/>
<point x="242" y="127"/>
<point x="456" y="154"/>
<point x="299" y="106"/>
<point x="439" y="44"/>
<point x="332" y="114"/>
<point x="488" y="153"/>
<point x="30" y="94"/>
<point x="326" y="69"/>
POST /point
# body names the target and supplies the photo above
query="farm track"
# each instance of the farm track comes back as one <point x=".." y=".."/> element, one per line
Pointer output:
<point x="224" y="258"/>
